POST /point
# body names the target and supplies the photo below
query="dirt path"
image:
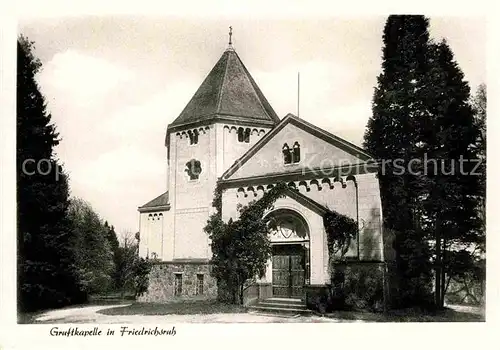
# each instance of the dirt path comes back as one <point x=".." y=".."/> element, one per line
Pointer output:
<point x="89" y="314"/>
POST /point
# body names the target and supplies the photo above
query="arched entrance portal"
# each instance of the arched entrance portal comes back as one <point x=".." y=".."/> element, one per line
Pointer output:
<point x="290" y="253"/>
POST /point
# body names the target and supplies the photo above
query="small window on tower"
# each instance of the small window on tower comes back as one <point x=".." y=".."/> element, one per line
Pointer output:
<point x="247" y="135"/>
<point x="241" y="136"/>
<point x="193" y="169"/>
<point x="193" y="137"/>
<point x="287" y="155"/>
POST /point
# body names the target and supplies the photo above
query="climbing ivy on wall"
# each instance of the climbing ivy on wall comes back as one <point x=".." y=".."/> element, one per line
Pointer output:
<point x="217" y="200"/>
<point x="340" y="230"/>
<point x="241" y="247"/>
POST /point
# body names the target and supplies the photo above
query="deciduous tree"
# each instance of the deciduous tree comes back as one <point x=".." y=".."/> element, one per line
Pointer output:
<point x="92" y="248"/>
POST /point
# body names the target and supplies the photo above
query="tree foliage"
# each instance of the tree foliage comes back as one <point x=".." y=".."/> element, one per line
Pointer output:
<point x="65" y="251"/>
<point x="340" y="230"/>
<point x="422" y="118"/>
<point x="451" y="197"/>
<point x="92" y="247"/>
<point x="131" y="272"/>
<point x="111" y="236"/>
<point x="141" y="269"/>
<point x="47" y="275"/>
<point x="398" y="105"/>
<point x="241" y="247"/>
<point x="464" y="261"/>
<point x="479" y="106"/>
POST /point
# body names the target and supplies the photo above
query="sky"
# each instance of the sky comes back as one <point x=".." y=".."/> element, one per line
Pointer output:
<point x="114" y="83"/>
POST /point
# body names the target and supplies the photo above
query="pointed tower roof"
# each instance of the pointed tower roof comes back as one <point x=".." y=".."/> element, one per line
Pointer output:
<point x="228" y="92"/>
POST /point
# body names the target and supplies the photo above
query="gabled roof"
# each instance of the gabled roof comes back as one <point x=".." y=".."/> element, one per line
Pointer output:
<point x="228" y="90"/>
<point x="159" y="203"/>
<point x="308" y="127"/>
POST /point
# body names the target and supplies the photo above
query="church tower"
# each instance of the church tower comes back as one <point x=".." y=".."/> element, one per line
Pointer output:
<point x="225" y="117"/>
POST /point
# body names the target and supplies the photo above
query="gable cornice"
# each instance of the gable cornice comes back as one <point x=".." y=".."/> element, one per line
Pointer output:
<point x="303" y="174"/>
<point x="306" y="126"/>
<point x="154" y="209"/>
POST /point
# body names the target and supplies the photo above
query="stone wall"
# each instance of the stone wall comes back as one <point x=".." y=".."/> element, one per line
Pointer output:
<point x="162" y="282"/>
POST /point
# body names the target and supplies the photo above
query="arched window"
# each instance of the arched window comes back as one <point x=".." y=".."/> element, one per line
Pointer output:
<point x="287" y="155"/>
<point x="193" y="169"/>
<point x="296" y="153"/>
<point x="244" y="135"/>
<point x="241" y="135"/>
<point x="193" y="137"/>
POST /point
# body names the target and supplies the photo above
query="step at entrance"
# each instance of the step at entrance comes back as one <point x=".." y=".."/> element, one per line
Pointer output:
<point x="288" y="306"/>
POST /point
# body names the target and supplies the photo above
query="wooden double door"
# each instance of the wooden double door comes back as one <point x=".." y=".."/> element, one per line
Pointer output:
<point x="288" y="270"/>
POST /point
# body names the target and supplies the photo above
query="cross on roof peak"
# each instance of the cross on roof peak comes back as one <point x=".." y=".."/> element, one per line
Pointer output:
<point x="230" y="46"/>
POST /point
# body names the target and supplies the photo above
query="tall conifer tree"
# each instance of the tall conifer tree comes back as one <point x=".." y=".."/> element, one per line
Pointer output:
<point x="448" y="136"/>
<point x="479" y="105"/>
<point x="46" y="265"/>
<point x="390" y="137"/>
<point x="423" y="119"/>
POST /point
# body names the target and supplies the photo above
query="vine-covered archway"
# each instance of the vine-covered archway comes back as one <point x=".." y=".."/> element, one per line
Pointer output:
<point x="287" y="225"/>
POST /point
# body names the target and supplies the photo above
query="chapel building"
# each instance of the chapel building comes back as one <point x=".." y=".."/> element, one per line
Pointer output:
<point x="229" y="134"/>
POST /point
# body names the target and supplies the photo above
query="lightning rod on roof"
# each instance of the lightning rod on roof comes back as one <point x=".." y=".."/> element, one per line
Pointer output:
<point x="298" y="94"/>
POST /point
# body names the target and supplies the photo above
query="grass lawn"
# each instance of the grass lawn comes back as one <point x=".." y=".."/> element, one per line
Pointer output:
<point x="175" y="308"/>
<point x="410" y="315"/>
